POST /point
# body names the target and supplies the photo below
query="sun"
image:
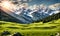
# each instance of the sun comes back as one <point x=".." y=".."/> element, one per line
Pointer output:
<point x="7" y="5"/>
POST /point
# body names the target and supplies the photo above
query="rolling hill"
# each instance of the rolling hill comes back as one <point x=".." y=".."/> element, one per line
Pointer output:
<point x="33" y="29"/>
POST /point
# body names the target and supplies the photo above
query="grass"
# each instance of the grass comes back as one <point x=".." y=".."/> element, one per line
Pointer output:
<point x="33" y="29"/>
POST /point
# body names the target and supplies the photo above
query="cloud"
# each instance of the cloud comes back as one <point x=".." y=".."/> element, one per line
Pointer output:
<point x="24" y="0"/>
<point x="42" y="5"/>
<point x="27" y="0"/>
<point x="30" y="0"/>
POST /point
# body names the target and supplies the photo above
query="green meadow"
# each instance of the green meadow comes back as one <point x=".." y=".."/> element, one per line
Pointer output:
<point x="33" y="29"/>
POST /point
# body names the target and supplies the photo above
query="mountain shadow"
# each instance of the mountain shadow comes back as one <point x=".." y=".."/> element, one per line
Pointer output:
<point x="6" y="17"/>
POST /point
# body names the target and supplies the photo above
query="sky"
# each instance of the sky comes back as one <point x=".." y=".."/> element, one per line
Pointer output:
<point x="46" y="2"/>
<point x="38" y="2"/>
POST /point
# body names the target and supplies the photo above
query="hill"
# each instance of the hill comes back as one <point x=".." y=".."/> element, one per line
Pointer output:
<point x="33" y="29"/>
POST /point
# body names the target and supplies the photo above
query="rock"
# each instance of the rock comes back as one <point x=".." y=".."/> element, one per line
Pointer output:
<point x="17" y="34"/>
<point x="5" y="33"/>
<point x="57" y="34"/>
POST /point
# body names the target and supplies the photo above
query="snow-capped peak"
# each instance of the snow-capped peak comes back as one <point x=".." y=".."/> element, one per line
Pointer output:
<point x="54" y="6"/>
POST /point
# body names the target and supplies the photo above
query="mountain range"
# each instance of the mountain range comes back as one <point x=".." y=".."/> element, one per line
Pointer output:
<point x="27" y="15"/>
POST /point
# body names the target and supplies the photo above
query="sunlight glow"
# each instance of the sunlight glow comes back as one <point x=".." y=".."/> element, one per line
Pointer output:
<point x="8" y="5"/>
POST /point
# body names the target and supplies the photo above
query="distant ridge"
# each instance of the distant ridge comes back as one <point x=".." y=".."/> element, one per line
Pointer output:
<point x="50" y="18"/>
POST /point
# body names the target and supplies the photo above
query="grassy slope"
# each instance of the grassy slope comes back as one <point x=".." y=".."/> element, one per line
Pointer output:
<point x="33" y="29"/>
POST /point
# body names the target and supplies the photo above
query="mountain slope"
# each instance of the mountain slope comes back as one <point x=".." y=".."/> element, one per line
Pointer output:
<point x="53" y="17"/>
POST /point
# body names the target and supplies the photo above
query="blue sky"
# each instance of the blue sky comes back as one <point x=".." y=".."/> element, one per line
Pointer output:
<point x="46" y="2"/>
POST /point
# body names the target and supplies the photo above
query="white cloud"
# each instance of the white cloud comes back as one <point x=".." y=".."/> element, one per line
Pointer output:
<point x="27" y="0"/>
<point x="31" y="7"/>
<point x="24" y="0"/>
<point x="30" y="0"/>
